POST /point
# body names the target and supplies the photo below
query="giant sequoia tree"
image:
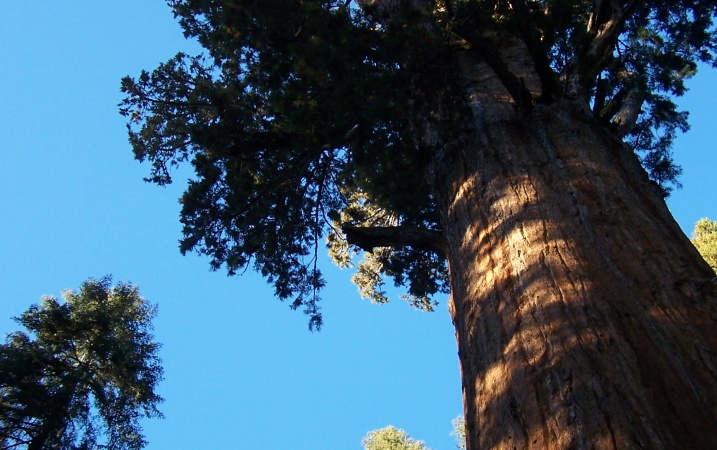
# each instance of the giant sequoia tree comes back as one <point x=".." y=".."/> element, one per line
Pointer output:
<point x="515" y="153"/>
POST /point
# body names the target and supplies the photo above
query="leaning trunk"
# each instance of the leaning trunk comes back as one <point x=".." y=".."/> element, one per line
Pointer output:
<point x="584" y="317"/>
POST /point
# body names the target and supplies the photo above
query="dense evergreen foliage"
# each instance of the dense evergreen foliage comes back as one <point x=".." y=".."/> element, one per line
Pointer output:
<point x="83" y="374"/>
<point x="308" y="118"/>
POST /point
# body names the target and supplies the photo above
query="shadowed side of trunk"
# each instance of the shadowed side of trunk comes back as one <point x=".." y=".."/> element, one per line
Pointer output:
<point x="584" y="316"/>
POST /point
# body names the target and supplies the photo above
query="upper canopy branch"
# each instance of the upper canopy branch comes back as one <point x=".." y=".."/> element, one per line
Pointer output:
<point x="368" y="238"/>
<point x="483" y="50"/>
<point x="606" y="22"/>
<point x="550" y="87"/>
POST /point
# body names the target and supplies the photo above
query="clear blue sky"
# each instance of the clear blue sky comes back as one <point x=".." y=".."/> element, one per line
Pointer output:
<point x="242" y="371"/>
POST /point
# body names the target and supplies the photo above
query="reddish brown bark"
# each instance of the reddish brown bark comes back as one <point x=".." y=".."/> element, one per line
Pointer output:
<point x="584" y="317"/>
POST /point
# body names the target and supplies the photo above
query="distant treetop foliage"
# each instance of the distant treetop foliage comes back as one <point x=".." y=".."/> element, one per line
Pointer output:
<point x="391" y="438"/>
<point x="705" y="239"/>
<point x="83" y="375"/>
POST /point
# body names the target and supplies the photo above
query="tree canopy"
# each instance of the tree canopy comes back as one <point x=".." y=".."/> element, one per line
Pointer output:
<point x="308" y="118"/>
<point x="391" y="438"/>
<point x="705" y="239"/>
<point x="459" y="432"/>
<point x="83" y="374"/>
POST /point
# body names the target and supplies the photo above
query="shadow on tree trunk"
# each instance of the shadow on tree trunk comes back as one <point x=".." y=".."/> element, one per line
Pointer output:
<point x="579" y="321"/>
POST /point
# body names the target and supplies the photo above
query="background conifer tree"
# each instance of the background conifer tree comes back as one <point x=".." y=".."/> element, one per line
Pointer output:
<point x="391" y="438"/>
<point x="705" y="239"/>
<point x="83" y="374"/>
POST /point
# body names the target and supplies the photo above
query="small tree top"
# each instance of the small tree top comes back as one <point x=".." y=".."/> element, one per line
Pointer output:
<point x="391" y="438"/>
<point x="83" y="374"/>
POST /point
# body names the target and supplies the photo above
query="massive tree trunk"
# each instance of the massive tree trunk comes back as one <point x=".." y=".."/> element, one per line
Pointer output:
<point x="584" y="317"/>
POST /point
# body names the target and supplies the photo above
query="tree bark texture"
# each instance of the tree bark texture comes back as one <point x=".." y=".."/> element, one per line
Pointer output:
<point x="584" y="316"/>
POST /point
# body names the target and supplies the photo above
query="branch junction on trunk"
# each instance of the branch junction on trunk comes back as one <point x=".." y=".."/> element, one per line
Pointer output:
<point x="368" y="238"/>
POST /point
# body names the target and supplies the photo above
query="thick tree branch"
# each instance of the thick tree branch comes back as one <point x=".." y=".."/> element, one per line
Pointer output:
<point x="606" y="22"/>
<point x="623" y="109"/>
<point x="608" y="110"/>
<point x="605" y="25"/>
<point x="549" y="84"/>
<point x="600" y="97"/>
<point x="483" y="50"/>
<point x="368" y="238"/>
